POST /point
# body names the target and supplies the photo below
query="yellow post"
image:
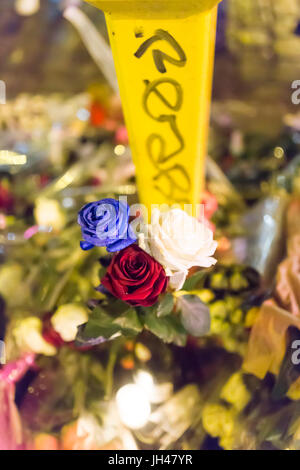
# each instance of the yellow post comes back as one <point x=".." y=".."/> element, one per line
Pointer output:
<point x="164" y="53"/>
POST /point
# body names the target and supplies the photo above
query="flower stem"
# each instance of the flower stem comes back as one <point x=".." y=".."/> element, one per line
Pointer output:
<point x="112" y="359"/>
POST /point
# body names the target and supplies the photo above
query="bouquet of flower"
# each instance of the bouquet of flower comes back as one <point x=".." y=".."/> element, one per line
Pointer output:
<point x="144" y="279"/>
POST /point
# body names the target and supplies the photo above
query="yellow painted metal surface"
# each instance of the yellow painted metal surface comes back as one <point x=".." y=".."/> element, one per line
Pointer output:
<point x="164" y="53"/>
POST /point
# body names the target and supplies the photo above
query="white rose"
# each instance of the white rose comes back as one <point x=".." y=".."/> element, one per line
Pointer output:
<point x="66" y="320"/>
<point x="28" y="336"/>
<point x="178" y="242"/>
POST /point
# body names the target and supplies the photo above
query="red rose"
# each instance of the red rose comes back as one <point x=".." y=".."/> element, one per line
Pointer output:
<point x="135" y="277"/>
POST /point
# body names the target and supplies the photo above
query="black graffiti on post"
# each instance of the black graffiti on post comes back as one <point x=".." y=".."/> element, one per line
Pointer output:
<point x="159" y="56"/>
<point x="153" y="87"/>
<point x="170" y="174"/>
<point x="156" y="141"/>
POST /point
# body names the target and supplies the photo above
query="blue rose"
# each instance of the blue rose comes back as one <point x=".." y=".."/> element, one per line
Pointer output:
<point x="106" y="223"/>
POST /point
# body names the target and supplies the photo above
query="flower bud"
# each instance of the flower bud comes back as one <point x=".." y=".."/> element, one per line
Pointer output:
<point x="28" y="336"/>
<point x="48" y="213"/>
<point x="66" y="320"/>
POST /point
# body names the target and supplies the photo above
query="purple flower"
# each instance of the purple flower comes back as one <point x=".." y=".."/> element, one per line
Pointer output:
<point x="106" y="223"/>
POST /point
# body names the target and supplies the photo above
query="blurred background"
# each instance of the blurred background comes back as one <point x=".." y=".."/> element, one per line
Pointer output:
<point x="257" y="59"/>
<point x="63" y="127"/>
<point x="257" y="54"/>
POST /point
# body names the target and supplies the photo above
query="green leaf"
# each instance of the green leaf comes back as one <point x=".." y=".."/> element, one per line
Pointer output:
<point x="169" y="328"/>
<point x="195" y="280"/>
<point x="117" y="307"/>
<point x="166" y="306"/>
<point x="195" y="315"/>
<point x="129" y="322"/>
<point x="100" y="324"/>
